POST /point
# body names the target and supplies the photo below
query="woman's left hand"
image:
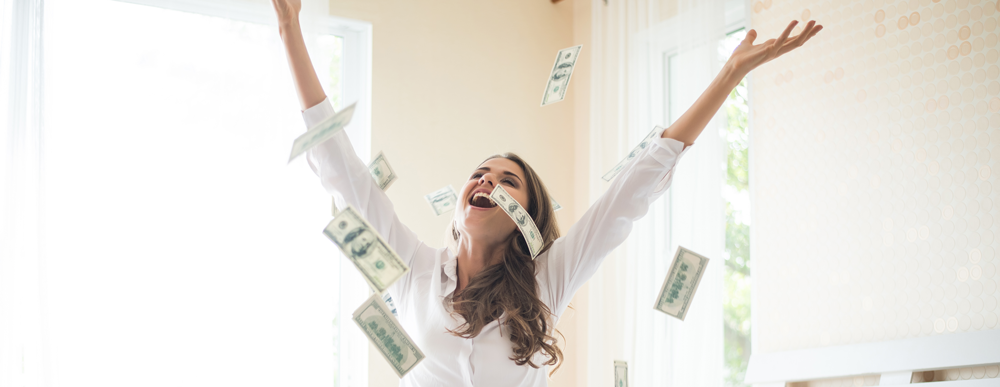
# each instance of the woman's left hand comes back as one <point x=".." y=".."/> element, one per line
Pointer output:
<point x="747" y="56"/>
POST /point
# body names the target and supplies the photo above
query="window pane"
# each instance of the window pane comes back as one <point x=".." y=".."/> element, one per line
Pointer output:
<point x="736" y="304"/>
<point x="180" y="246"/>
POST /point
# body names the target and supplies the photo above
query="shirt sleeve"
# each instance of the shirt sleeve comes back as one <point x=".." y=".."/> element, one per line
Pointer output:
<point x="575" y="257"/>
<point x="347" y="179"/>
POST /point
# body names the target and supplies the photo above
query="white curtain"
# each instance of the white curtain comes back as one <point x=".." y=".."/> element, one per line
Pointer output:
<point x="151" y="232"/>
<point x="21" y="296"/>
<point x="651" y="59"/>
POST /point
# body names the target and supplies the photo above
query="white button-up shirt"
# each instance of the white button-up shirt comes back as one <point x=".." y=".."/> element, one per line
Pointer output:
<point x="423" y="296"/>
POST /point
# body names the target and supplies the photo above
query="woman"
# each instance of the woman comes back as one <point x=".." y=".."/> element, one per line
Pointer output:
<point x="484" y="313"/>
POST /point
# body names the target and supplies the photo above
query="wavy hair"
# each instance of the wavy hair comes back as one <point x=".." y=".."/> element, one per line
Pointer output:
<point x="509" y="286"/>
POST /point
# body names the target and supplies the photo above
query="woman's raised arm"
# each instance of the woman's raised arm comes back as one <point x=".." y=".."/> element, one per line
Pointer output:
<point x="746" y="57"/>
<point x="306" y="83"/>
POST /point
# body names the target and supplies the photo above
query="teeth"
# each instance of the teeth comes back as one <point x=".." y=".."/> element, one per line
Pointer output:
<point x="484" y="195"/>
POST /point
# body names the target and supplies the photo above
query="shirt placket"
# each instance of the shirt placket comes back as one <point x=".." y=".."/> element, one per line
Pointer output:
<point x="464" y="355"/>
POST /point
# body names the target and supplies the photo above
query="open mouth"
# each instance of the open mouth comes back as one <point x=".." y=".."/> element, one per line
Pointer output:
<point x="481" y="200"/>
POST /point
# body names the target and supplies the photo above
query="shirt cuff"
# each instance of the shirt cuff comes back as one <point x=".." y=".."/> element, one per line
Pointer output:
<point x="318" y="113"/>
<point x="667" y="152"/>
<point x="671" y="150"/>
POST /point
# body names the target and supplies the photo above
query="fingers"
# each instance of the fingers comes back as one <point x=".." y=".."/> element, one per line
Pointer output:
<point x="807" y="33"/>
<point x="815" y="30"/>
<point x="799" y="39"/>
<point x="751" y="35"/>
<point x="778" y="43"/>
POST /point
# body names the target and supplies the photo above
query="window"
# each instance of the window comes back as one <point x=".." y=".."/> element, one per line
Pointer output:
<point x="179" y="245"/>
<point x="735" y="192"/>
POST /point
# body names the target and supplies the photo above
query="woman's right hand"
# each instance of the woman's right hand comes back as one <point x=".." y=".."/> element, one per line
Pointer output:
<point x="287" y="10"/>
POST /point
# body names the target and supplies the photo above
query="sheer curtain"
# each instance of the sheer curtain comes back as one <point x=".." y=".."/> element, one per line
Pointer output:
<point x="651" y="60"/>
<point x="21" y="302"/>
<point x="152" y="233"/>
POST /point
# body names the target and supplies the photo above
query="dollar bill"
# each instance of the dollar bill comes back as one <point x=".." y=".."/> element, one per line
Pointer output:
<point x="382" y="172"/>
<point x="442" y="200"/>
<point x="562" y="70"/>
<point x="388" y="336"/>
<point x="363" y="246"/>
<point x="521" y="218"/>
<point x="321" y="132"/>
<point x="681" y="283"/>
<point x="631" y="155"/>
<point x="621" y="373"/>
<point x="555" y="205"/>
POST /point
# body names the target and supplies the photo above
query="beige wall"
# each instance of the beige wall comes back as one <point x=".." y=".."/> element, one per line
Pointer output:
<point x="575" y="320"/>
<point x="456" y="81"/>
<point x="876" y="152"/>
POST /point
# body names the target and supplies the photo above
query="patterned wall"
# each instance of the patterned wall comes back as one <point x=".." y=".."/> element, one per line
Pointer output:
<point x="876" y="153"/>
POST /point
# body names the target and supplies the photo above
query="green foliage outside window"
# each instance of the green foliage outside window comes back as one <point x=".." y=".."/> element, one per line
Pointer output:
<point x="334" y="88"/>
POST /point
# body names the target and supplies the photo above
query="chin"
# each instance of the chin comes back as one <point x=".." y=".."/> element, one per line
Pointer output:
<point x="477" y="223"/>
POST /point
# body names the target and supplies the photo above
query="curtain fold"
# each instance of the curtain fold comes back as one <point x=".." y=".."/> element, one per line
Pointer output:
<point x="22" y="334"/>
<point x="651" y="59"/>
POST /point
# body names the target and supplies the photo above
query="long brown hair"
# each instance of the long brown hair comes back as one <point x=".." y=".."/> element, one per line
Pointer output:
<point x="510" y="286"/>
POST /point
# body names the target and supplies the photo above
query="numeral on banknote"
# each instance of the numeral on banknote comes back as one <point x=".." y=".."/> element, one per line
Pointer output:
<point x="681" y="283"/>
<point x="385" y="332"/>
<point x="524" y="222"/>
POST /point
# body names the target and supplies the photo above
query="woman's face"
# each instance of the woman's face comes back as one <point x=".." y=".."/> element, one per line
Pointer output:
<point x="478" y="217"/>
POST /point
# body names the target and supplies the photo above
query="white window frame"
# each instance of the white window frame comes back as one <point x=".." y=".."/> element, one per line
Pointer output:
<point x="356" y="86"/>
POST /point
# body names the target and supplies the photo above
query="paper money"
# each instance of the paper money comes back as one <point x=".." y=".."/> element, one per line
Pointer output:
<point x="321" y="132"/>
<point x="388" y="336"/>
<point x="442" y="200"/>
<point x="381" y="171"/>
<point x="364" y="247"/>
<point x="631" y="155"/>
<point x="681" y="283"/>
<point x="555" y="205"/>
<point x="521" y="218"/>
<point x="562" y="70"/>
<point x="621" y="374"/>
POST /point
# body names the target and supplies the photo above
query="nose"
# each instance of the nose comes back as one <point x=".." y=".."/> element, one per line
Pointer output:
<point x="487" y="178"/>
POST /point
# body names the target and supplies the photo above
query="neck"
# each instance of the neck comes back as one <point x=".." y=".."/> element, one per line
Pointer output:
<point x="474" y="256"/>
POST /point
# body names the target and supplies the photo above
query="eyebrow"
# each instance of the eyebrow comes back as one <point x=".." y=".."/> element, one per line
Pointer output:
<point x="508" y="173"/>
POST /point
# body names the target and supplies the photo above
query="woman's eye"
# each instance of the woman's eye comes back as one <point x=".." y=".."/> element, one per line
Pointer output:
<point x="508" y="181"/>
<point x="476" y="176"/>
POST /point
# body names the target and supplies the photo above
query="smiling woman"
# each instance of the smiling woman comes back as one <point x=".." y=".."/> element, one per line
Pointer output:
<point x="506" y="281"/>
<point x="484" y="312"/>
